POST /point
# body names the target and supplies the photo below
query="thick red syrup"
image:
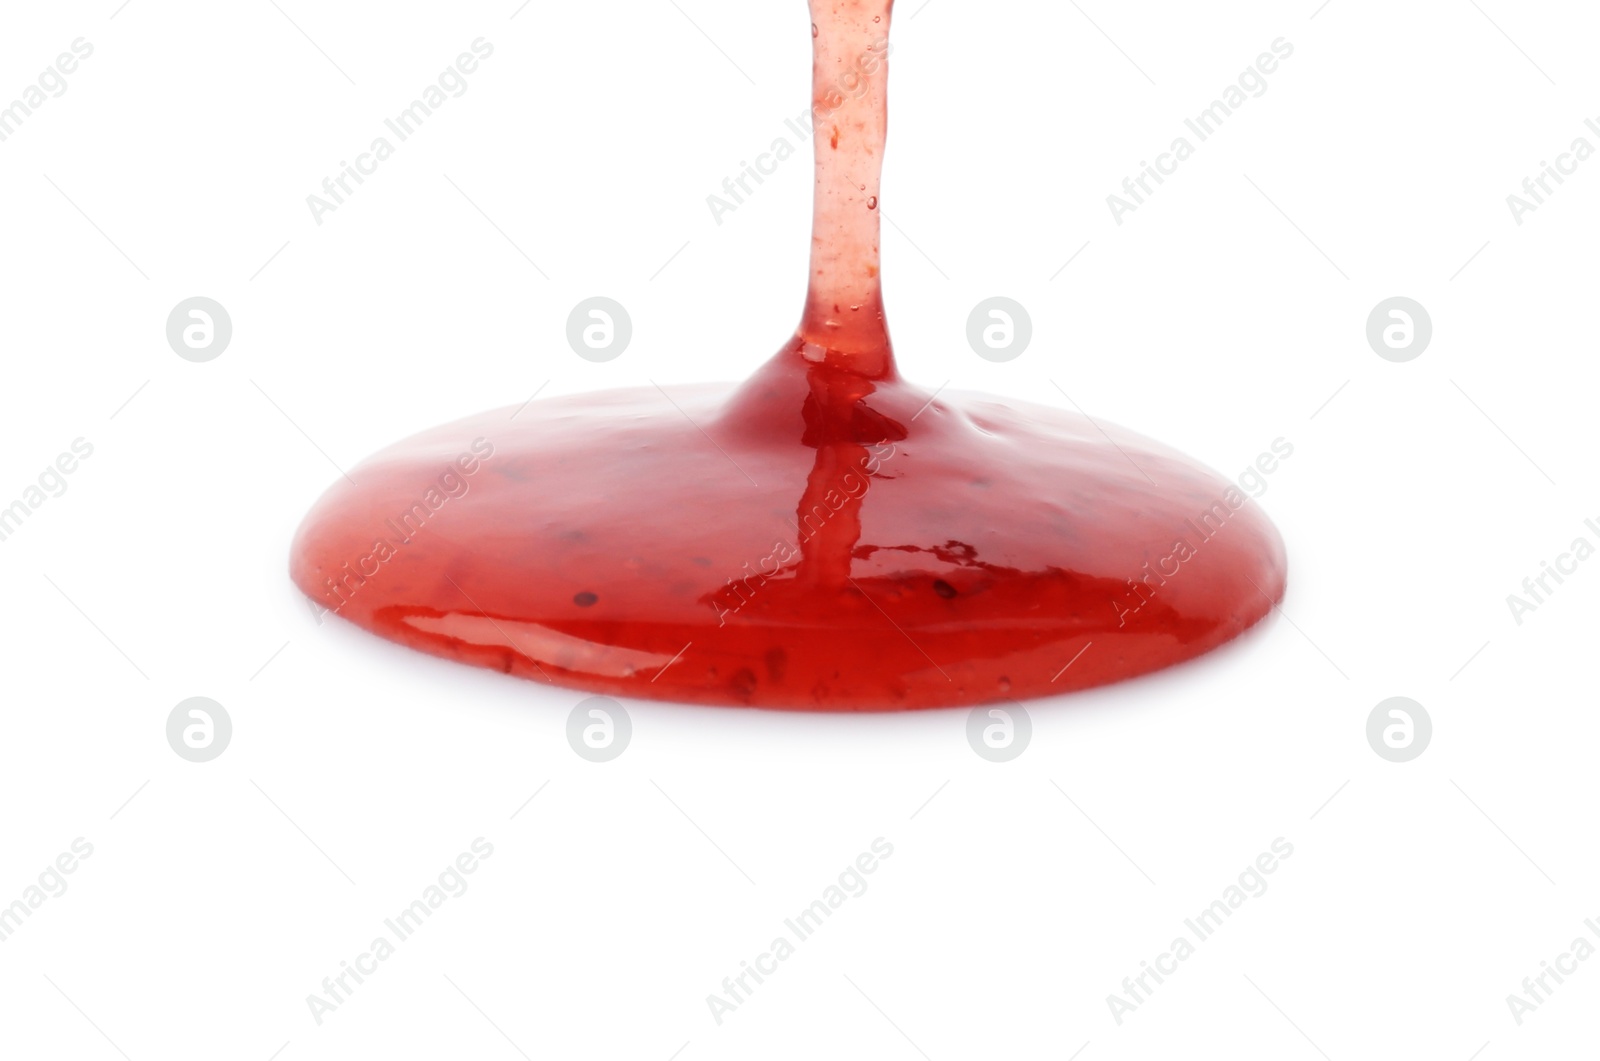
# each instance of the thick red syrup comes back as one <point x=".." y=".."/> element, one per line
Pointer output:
<point x="825" y="536"/>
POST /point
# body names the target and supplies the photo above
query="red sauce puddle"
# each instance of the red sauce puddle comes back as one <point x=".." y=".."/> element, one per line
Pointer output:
<point x="825" y="536"/>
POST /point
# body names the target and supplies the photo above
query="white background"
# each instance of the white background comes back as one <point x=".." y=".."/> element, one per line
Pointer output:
<point x="1224" y="313"/>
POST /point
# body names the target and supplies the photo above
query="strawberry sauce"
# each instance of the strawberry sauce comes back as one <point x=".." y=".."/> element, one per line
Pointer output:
<point x="824" y="536"/>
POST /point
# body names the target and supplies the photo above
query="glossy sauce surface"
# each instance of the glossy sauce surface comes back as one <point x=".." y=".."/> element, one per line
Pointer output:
<point x="825" y="536"/>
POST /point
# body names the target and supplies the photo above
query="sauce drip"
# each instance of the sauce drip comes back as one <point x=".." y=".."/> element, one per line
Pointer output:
<point x="825" y="536"/>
